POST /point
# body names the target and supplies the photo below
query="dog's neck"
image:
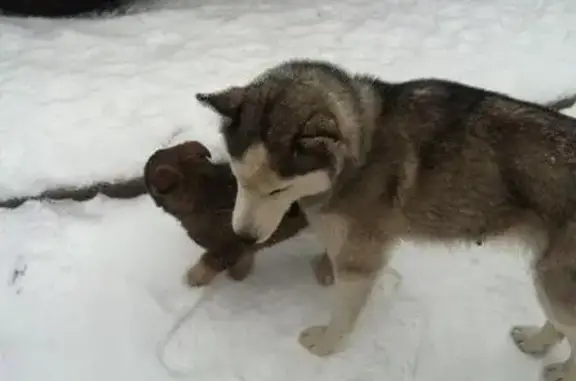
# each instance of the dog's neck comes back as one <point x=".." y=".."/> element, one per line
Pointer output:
<point x="374" y="94"/>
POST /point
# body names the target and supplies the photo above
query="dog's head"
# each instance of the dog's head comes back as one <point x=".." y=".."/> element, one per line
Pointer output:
<point x="177" y="178"/>
<point x="286" y="133"/>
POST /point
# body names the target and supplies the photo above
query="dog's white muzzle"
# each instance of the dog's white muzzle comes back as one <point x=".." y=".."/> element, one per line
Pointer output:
<point x="256" y="217"/>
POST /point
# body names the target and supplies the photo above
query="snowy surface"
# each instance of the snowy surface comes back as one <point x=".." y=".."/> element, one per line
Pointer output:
<point x="89" y="290"/>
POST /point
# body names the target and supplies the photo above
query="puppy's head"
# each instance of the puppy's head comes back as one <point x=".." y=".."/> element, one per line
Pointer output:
<point x="286" y="133"/>
<point x="176" y="177"/>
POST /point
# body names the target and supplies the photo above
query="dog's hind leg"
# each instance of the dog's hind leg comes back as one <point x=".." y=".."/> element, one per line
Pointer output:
<point x="561" y="323"/>
<point x="531" y="339"/>
<point x="555" y="283"/>
<point x="565" y="371"/>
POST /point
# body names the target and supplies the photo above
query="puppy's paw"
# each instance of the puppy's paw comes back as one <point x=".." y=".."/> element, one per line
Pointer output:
<point x="529" y="340"/>
<point x="242" y="268"/>
<point x="555" y="372"/>
<point x="200" y="275"/>
<point x="314" y="339"/>
<point x="323" y="271"/>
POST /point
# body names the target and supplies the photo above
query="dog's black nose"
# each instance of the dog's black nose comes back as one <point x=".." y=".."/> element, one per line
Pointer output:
<point x="247" y="239"/>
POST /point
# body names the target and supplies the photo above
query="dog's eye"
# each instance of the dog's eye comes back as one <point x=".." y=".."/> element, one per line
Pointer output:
<point x="276" y="191"/>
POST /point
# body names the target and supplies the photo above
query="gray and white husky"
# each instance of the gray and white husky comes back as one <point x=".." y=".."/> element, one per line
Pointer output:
<point x="370" y="162"/>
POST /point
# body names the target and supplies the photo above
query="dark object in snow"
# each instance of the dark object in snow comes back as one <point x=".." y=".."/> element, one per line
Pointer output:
<point x="200" y="194"/>
<point x="562" y="103"/>
<point x="122" y="189"/>
<point x="61" y="8"/>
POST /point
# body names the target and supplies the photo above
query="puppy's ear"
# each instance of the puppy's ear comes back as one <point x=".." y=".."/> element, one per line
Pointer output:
<point x="196" y="150"/>
<point x="165" y="179"/>
<point x="225" y="102"/>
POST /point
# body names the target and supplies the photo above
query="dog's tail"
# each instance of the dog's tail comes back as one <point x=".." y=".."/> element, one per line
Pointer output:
<point x="125" y="189"/>
<point x="562" y="103"/>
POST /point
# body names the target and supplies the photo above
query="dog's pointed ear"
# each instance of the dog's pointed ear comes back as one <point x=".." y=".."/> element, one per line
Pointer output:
<point x="225" y="102"/>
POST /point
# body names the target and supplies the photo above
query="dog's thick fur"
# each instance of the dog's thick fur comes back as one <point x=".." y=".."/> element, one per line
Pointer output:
<point x="200" y="194"/>
<point x="371" y="161"/>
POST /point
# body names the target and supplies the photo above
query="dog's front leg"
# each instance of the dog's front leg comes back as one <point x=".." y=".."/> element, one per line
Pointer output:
<point x="356" y="266"/>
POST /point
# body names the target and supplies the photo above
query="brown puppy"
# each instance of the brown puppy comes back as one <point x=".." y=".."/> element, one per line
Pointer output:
<point x="200" y="195"/>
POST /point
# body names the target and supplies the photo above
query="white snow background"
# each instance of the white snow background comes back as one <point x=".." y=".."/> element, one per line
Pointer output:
<point x="89" y="290"/>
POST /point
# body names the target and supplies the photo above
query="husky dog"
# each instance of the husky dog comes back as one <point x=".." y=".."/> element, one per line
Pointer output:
<point x="370" y="162"/>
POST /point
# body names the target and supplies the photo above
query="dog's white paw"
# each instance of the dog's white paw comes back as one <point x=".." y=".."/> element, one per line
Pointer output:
<point x="555" y="372"/>
<point x="528" y="341"/>
<point x="315" y="341"/>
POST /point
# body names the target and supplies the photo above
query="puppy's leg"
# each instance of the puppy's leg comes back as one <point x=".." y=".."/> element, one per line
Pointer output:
<point x="323" y="270"/>
<point x="242" y="268"/>
<point x="356" y="268"/>
<point x="213" y="262"/>
<point x="536" y="341"/>
<point x="201" y="273"/>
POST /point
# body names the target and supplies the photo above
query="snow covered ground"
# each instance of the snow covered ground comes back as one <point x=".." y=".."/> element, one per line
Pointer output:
<point x="88" y="291"/>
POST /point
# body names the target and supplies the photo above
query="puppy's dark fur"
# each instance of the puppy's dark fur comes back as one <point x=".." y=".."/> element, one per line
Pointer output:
<point x="200" y="195"/>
